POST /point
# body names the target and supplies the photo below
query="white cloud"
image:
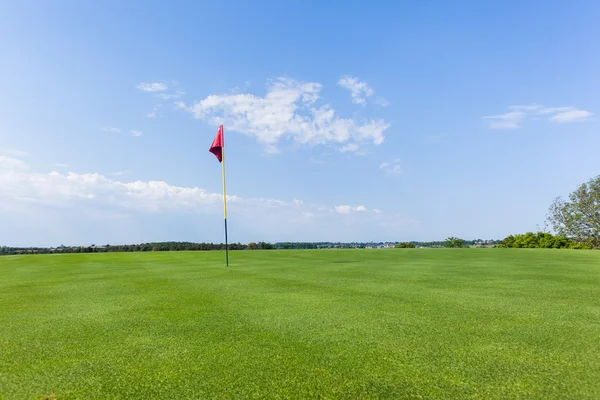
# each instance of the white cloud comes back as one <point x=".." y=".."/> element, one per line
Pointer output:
<point x="61" y="165"/>
<point x="513" y="119"/>
<point x="510" y="120"/>
<point x="571" y="116"/>
<point x="345" y="209"/>
<point x="152" y="87"/>
<point x="94" y="189"/>
<point x="171" y="96"/>
<point x="110" y="129"/>
<point x="359" y="89"/>
<point x="392" y="168"/>
<point x="136" y="133"/>
<point x="287" y="111"/>
<point x="22" y="187"/>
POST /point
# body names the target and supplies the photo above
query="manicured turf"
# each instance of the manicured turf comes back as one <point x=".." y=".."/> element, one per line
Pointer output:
<point x="461" y="324"/>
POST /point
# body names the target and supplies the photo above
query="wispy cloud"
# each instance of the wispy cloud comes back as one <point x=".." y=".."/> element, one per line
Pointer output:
<point x="571" y="115"/>
<point x="162" y="92"/>
<point x="510" y="120"/>
<point x="350" y="148"/>
<point x="111" y="129"/>
<point x="382" y="101"/>
<point x="392" y="168"/>
<point x="170" y="96"/>
<point x="156" y="111"/>
<point x="136" y="133"/>
<point x="61" y="165"/>
<point x="359" y="89"/>
<point x="287" y="111"/>
<point x="121" y="173"/>
<point x="317" y="161"/>
<point x="518" y="114"/>
<point x="152" y="87"/>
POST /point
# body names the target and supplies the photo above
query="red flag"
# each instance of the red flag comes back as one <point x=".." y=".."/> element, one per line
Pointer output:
<point x="217" y="145"/>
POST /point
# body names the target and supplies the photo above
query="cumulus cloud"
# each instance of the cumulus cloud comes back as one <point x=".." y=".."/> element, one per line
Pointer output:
<point x="517" y="114"/>
<point x="152" y="87"/>
<point x="21" y="186"/>
<point x="57" y="188"/>
<point x="287" y="111"/>
<point x="359" y="89"/>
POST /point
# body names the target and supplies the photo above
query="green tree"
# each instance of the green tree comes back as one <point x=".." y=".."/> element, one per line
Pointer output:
<point x="454" y="242"/>
<point x="405" y="245"/>
<point x="252" y="246"/>
<point x="578" y="218"/>
<point x="540" y="240"/>
<point x="265" y="246"/>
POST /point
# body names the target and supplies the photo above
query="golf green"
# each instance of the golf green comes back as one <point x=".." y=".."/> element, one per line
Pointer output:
<point x="410" y="323"/>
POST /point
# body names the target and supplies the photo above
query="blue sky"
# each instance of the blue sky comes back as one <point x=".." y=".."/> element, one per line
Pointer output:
<point x="356" y="121"/>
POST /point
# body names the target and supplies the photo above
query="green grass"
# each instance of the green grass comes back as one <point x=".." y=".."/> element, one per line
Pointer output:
<point x="414" y="324"/>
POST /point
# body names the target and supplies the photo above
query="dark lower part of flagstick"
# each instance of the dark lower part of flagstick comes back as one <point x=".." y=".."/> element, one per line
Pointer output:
<point x="226" y="246"/>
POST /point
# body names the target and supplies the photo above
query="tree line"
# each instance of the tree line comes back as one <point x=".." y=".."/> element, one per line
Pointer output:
<point x="154" y="246"/>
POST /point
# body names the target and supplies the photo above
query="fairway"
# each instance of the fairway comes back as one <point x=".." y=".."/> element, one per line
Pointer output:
<point x="414" y="324"/>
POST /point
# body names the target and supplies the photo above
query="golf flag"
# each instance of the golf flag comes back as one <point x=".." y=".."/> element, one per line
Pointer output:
<point x="217" y="145"/>
<point x="218" y="149"/>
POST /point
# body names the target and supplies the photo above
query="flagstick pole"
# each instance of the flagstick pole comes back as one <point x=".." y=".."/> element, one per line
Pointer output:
<point x="224" y="199"/>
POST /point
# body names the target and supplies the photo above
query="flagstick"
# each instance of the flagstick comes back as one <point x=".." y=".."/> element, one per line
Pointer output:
<point x="224" y="199"/>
